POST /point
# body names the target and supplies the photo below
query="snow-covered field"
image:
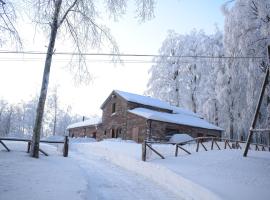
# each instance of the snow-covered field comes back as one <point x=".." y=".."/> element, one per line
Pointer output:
<point x="52" y="177"/>
<point x="112" y="169"/>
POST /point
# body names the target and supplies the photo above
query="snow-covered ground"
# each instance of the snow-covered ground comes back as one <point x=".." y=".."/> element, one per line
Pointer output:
<point x="80" y="176"/>
<point x="217" y="174"/>
<point x="52" y="177"/>
<point x="112" y="169"/>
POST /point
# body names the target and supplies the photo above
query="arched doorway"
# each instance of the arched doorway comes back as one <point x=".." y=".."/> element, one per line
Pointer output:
<point x="118" y="132"/>
<point x="113" y="134"/>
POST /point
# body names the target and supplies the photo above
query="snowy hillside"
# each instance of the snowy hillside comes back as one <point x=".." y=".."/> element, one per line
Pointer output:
<point x="112" y="169"/>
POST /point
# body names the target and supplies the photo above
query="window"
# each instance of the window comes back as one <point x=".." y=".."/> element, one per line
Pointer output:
<point x="113" y="107"/>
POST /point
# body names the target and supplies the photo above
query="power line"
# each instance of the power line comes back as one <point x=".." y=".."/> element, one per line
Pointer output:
<point x="129" y="55"/>
<point x="123" y="61"/>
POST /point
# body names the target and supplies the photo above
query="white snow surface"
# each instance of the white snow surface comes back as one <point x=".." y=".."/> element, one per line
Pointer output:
<point x="81" y="176"/>
<point x="216" y="174"/>
<point x="53" y="177"/>
<point x="178" y="138"/>
<point x="71" y="139"/>
<point x="89" y="122"/>
<point x="178" y="110"/>
<point x="113" y="170"/>
<point x="146" y="100"/>
<point x="182" y="119"/>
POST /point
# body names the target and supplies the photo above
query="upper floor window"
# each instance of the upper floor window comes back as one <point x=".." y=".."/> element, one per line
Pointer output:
<point x="113" y="107"/>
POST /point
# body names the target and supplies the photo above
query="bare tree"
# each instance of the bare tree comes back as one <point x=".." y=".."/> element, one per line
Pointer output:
<point x="53" y="109"/>
<point x="7" y="20"/>
<point x="77" y="19"/>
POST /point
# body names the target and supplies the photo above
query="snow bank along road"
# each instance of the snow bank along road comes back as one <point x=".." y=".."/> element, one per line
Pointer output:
<point x="112" y="169"/>
<point x="78" y="177"/>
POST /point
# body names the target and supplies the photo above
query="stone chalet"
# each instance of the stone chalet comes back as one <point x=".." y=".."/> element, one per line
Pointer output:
<point x="136" y="117"/>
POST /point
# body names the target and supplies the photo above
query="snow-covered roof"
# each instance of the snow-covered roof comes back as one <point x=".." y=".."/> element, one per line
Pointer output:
<point x="146" y="100"/>
<point x="178" y="110"/>
<point x="88" y="122"/>
<point x="182" y="119"/>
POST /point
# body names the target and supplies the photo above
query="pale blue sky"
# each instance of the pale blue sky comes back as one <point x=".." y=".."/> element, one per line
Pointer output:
<point x="179" y="15"/>
<point x="132" y="37"/>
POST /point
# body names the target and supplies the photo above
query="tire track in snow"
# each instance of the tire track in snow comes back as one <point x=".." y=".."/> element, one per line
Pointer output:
<point x="107" y="181"/>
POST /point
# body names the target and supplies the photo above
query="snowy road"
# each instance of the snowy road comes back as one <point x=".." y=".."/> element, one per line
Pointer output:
<point x="108" y="181"/>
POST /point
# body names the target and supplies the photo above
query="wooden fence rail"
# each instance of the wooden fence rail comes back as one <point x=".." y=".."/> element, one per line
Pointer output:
<point x="200" y="141"/>
<point x="65" y="142"/>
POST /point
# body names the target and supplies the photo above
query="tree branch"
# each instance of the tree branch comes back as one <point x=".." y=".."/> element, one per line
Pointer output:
<point x="66" y="13"/>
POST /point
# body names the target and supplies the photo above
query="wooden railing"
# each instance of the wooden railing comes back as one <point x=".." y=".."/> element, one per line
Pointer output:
<point x="200" y="142"/>
<point x="65" y="142"/>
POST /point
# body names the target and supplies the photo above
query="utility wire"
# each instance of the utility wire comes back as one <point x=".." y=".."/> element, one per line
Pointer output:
<point x="129" y="55"/>
<point x="92" y="60"/>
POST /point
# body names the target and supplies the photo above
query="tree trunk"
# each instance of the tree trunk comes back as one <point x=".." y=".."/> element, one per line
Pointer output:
<point x="8" y="125"/>
<point x="45" y="82"/>
<point x="55" y="108"/>
<point x="216" y="113"/>
<point x="54" y="124"/>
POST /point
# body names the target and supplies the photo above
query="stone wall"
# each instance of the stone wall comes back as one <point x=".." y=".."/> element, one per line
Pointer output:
<point x="136" y="128"/>
<point x="114" y="123"/>
<point x="122" y="120"/>
<point x="161" y="130"/>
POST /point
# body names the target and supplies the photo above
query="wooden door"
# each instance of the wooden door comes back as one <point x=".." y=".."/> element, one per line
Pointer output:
<point x="135" y="134"/>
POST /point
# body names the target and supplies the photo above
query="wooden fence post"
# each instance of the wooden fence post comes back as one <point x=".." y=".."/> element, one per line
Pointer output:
<point x="198" y="143"/>
<point x="28" y="147"/>
<point x="176" y="150"/>
<point x="65" y="148"/>
<point x="256" y="114"/>
<point x="203" y="146"/>
<point x="263" y="149"/>
<point x="217" y="145"/>
<point x="144" y="151"/>
<point x="212" y="144"/>
<point x="4" y="145"/>
<point x="228" y="143"/>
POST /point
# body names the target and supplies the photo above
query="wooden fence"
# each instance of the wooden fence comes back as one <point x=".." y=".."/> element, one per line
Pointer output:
<point x="65" y="142"/>
<point x="200" y="142"/>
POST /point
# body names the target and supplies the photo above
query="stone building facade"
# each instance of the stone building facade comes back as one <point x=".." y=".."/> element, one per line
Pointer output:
<point x="135" y="117"/>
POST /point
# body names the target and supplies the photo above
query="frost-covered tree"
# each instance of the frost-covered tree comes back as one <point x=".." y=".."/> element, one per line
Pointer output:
<point x="6" y="112"/>
<point x="184" y="79"/>
<point x="8" y="17"/>
<point x="53" y="109"/>
<point x="17" y="120"/>
<point x="246" y="34"/>
<point x="226" y="90"/>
